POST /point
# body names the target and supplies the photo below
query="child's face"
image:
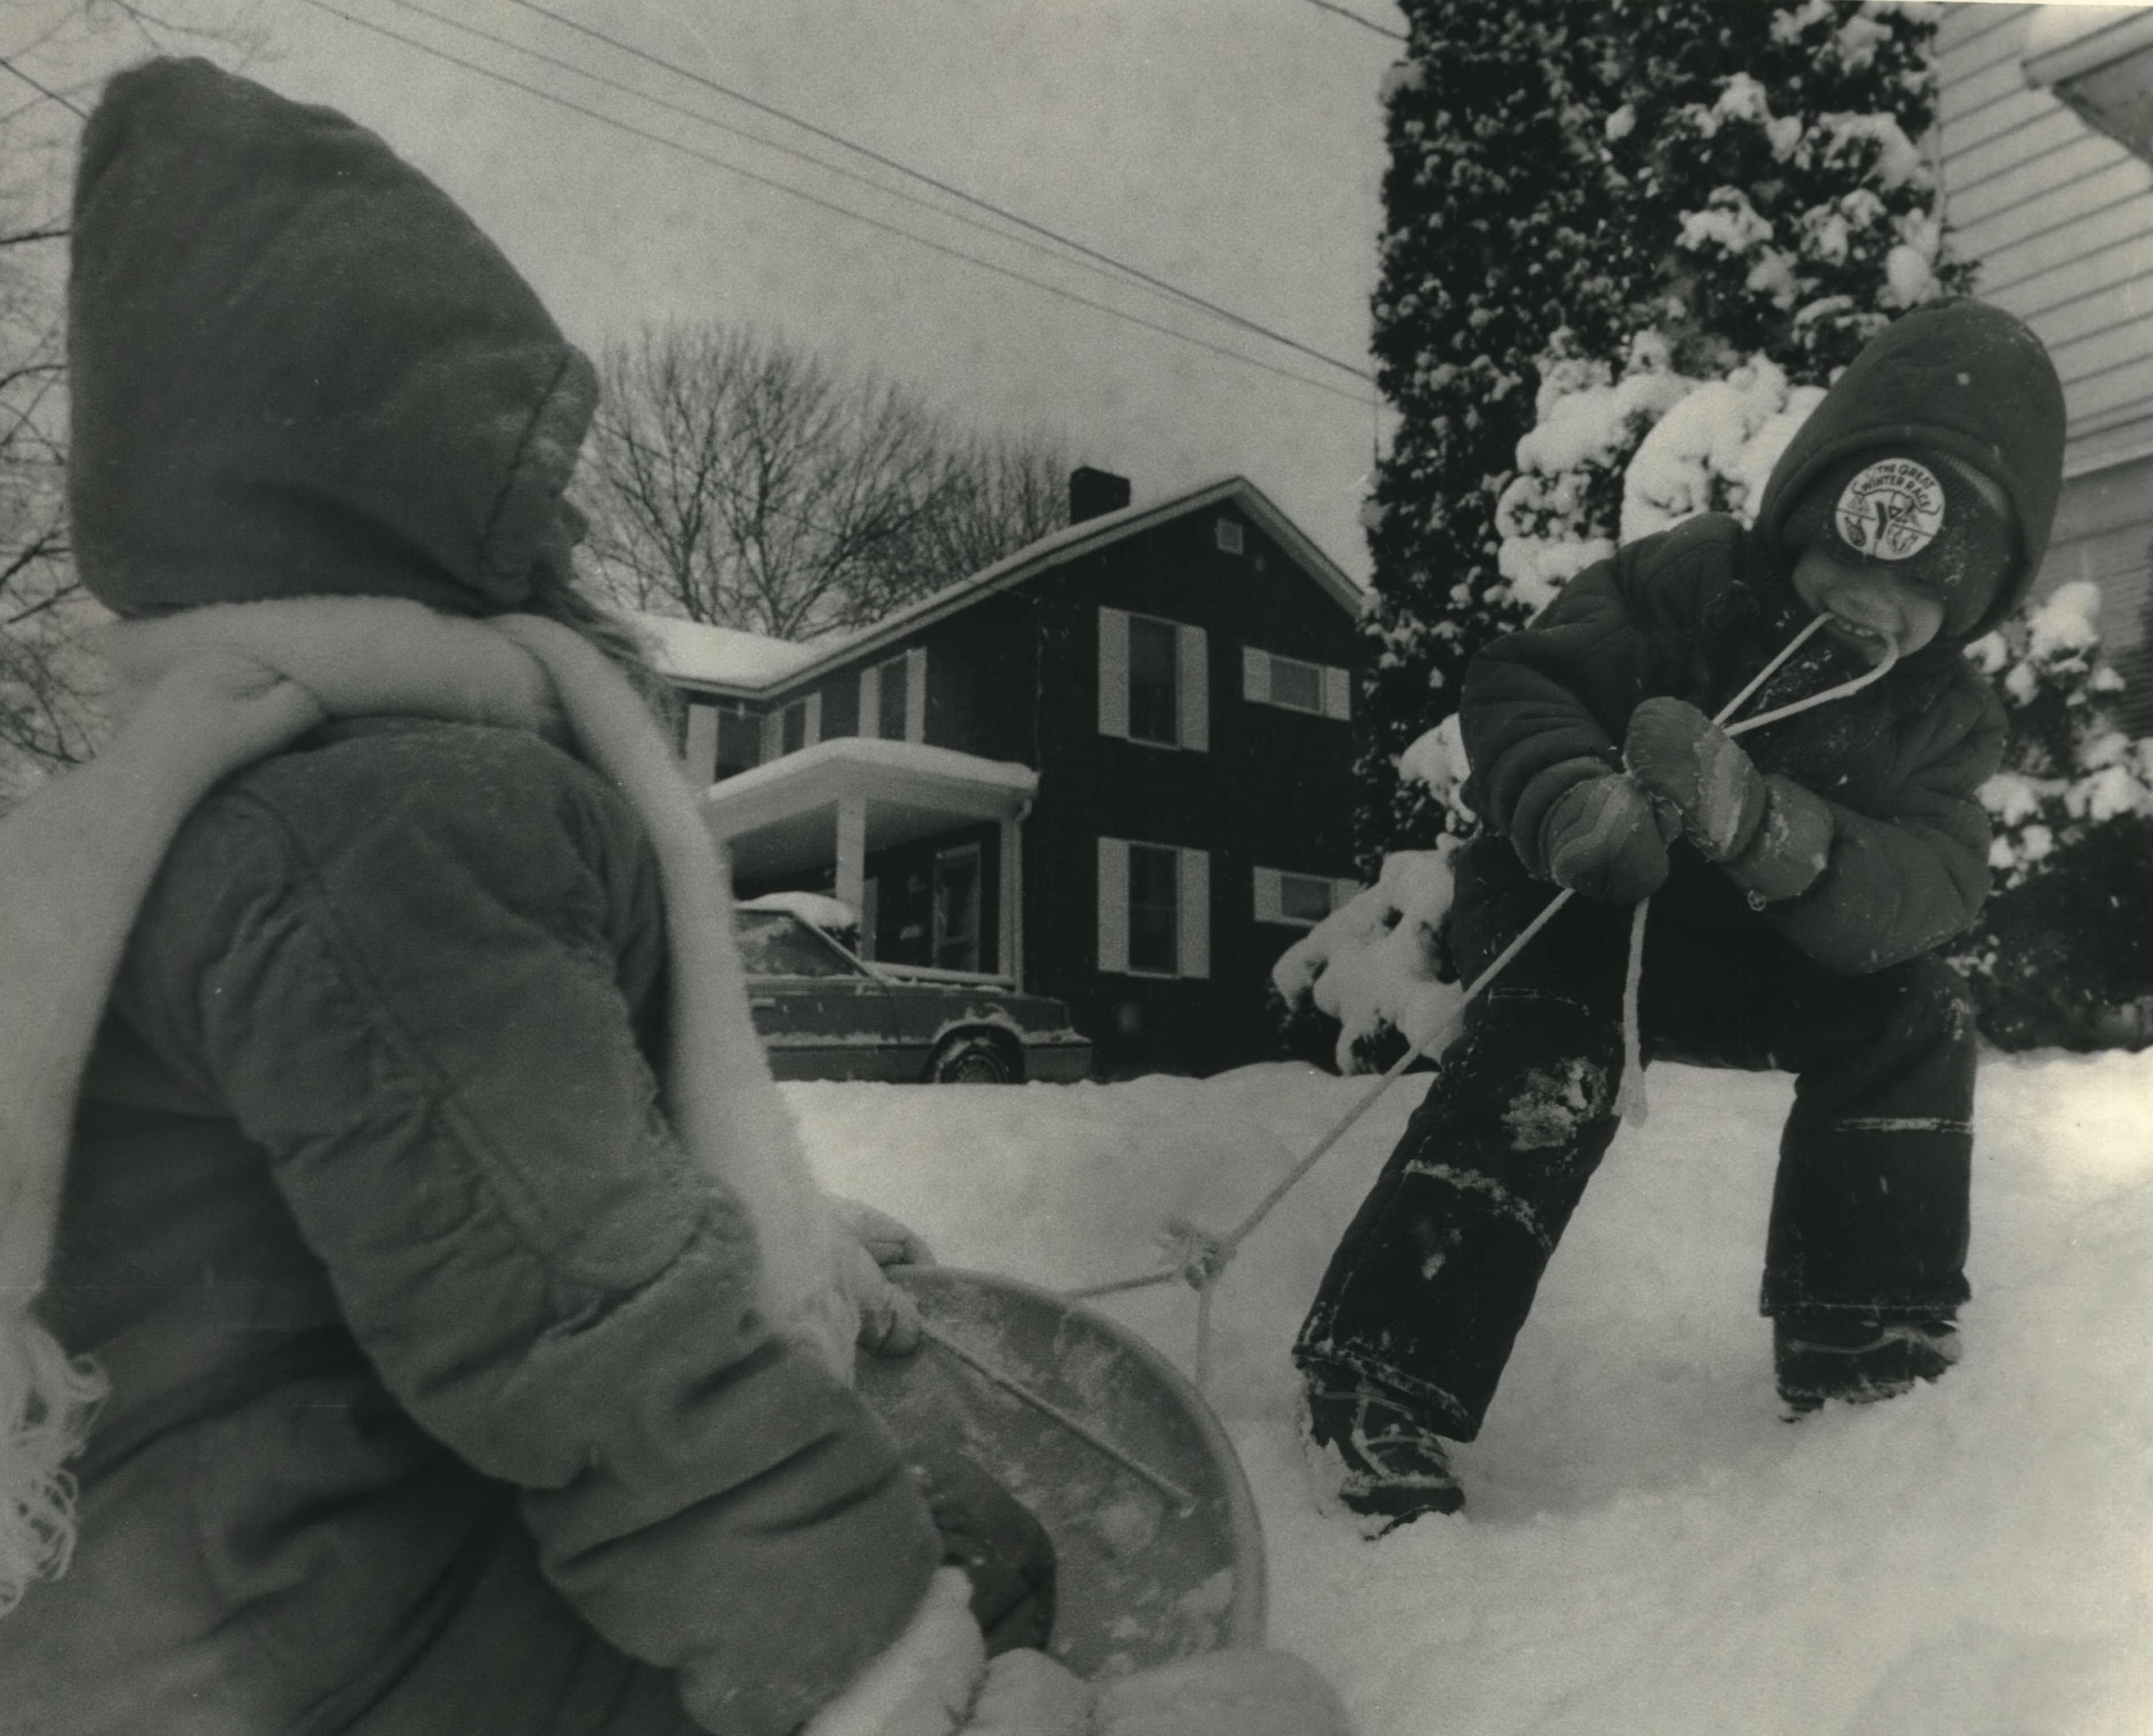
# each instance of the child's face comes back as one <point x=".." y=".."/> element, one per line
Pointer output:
<point x="1865" y="603"/>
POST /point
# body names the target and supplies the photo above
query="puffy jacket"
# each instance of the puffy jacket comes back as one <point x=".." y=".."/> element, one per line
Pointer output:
<point x="1696" y="612"/>
<point x="437" y="1403"/>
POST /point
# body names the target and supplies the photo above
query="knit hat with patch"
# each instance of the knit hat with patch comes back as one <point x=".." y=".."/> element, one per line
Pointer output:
<point x="1927" y="515"/>
<point x="297" y="367"/>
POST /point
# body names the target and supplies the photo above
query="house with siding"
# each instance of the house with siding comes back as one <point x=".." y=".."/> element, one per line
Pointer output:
<point x="1115" y="767"/>
<point x="2045" y="129"/>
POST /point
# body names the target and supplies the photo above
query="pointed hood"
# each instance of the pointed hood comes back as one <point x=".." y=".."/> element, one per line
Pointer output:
<point x="297" y="367"/>
<point x="1959" y="377"/>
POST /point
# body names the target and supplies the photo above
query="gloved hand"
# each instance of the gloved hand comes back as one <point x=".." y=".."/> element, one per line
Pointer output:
<point x="1004" y="1549"/>
<point x="1602" y="838"/>
<point x="1680" y="755"/>
<point x="890" y="1242"/>
<point x="924" y="1684"/>
<point x="1772" y="836"/>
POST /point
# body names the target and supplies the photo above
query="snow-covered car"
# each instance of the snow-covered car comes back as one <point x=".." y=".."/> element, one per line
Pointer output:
<point x="824" y="1014"/>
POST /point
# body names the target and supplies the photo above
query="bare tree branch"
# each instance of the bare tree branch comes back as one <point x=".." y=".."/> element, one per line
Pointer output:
<point x="735" y="479"/>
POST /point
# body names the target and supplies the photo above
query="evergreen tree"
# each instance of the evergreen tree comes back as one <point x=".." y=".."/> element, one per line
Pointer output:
<point x="1595" y="216"/>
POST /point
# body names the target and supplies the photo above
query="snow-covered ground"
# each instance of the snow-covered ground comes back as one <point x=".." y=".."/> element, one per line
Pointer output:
<point x="1647" y="1548"/>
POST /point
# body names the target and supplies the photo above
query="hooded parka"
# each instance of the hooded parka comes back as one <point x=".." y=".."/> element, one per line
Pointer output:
<point x="439" y="1399"/>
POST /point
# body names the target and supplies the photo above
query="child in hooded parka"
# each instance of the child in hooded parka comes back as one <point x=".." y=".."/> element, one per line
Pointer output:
<point x="352" y="1150"/>
<point x="1804" y="877"/>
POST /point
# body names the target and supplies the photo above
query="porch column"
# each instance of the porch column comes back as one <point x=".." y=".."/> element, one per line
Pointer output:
<point x="1009" y="952"/>
<point x="853" y="851"/>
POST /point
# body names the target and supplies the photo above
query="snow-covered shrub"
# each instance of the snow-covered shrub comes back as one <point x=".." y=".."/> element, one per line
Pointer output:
<point x="1376" y="966"/>
<point x="2064" y="951"/>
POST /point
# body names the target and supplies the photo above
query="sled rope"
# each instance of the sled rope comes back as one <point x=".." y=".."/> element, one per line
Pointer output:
<point x="1184" y="1503"/>
<point x="1199" y="1258"/>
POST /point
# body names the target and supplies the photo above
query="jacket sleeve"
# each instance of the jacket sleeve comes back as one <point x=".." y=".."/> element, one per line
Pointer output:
<point x="423" y="1018"/>
<point x="1545" y="708"/>
<point x="1897" y="885"/>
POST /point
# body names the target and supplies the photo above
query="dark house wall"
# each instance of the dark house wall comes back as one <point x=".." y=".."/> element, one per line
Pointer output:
<point x="1272" y="790"/>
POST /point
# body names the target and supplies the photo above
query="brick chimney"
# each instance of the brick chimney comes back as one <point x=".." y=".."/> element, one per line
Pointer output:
<point x="1092" y="492"/>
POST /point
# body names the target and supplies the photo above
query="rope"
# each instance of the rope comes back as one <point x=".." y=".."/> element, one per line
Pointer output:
<point x="1199" y="1260"/>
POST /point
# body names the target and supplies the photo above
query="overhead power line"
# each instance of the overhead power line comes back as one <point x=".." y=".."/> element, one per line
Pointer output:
<point x="828" y="205"/>
<point x="941" y="187"/>
<point x="1348" y="12"/>
<point x="1124" y="275"/>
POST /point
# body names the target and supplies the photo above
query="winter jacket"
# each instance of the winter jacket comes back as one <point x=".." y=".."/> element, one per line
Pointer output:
<point x="439" y="1399"/>
<point x="1697" y="611"/>
<point x="435" y="1402"/>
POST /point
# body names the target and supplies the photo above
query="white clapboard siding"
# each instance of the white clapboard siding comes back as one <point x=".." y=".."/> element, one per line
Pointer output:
<point x="2060" y="217"/>
<point x="1193" y="695"/>
<point x="1113" y="673"/>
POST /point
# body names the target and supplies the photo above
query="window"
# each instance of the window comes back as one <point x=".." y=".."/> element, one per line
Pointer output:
<point x="894" y="698"/>
<point x="1319" y="689"/>
<point x="957" y="909"/>
<point x="1226" y="534"/>
<point x="792" y="727"/>
<point x="1154" y="658"/>
<point x="1154" y="680"/>
<point x="1301" y="900"/>
<point x="1154" y="909"/>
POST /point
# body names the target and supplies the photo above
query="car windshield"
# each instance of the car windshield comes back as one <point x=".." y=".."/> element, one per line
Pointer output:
<point x="775" y="942"/>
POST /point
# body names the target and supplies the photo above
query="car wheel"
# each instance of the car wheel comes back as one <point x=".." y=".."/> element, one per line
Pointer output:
<point x="974" y="1060"/>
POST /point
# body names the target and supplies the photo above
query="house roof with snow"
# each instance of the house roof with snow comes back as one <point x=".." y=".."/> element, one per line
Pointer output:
<point x="748" y="665"/>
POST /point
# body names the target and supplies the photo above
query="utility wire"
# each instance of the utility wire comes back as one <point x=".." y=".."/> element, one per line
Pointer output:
<point x="1364" y="23"/>
<point x="943" y="186"/>
<point x="886" y="228"/>
<point x="1115" y="273"/>
<point x="42" y="91"/>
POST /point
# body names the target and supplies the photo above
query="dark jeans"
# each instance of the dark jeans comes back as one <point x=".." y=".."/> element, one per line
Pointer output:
<point x="1435" y="1275"/>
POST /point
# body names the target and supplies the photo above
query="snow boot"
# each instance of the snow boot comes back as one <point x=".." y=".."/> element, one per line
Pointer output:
<point x="1396" y="1468"/>
<point x="1856" y="1358"/>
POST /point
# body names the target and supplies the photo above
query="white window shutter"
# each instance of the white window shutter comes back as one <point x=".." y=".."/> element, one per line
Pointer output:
<point x="915" y="694"/>
<point x="1343" y="892"/>
<point x="1113" y="673"/>
<point x="1195" y="913"/>
<point x="813" y="732"/>
<point x="1270" y="900"/>
<point x="1338" y="692"/>
<point x="1113" y="905"/>
<point x="871" y="700"/>
<point x="1194" y="689"/>
<point x="773" y="734"/>
<point x="1255" y="674"/>
<point x="700" y="758"/>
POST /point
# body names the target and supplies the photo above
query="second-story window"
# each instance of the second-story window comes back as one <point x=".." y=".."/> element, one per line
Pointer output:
<point x="1154" y="683"/>
<point x="894" y="698"/>
<point x="1321" y="689"/>
<point x="1154" y="656"/>
<point x="792" y="727"/>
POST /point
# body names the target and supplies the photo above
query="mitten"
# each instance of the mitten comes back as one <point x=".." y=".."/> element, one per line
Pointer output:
<point x="924" y="1684"/>
<point x="1683" y="757"/>
<point x="890" y="1242"/>
<point x="1027" y="1693"/>
<point x="1240" y="1693"/>
<point x="1772" y="836"/>
<point x="1602" y="838"/>
<point x="1004" y="1550"/>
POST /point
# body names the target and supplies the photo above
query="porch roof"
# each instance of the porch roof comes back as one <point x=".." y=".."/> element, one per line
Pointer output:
<point x="780" y="818"/>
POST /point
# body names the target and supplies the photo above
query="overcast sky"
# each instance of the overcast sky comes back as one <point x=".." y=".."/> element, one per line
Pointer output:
<point x="1232" y="147"/>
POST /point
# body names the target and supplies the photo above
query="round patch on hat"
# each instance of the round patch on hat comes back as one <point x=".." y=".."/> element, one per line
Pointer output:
<point x="1891" y="510"/>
